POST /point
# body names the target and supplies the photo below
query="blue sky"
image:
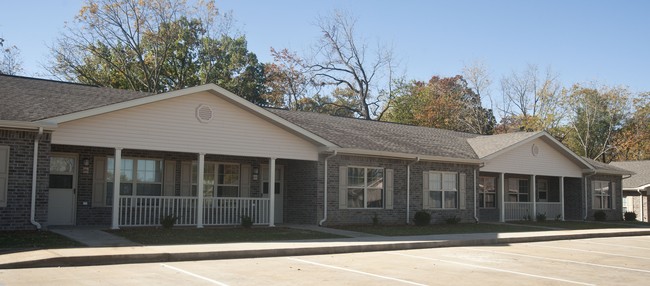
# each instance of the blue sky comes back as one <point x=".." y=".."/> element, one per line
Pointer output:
<point x="583" y="41"/>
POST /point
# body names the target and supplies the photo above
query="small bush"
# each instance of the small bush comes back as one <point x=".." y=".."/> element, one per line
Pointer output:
<point x="375" y="220"/>
<point x="600" y="216"/>
<point x="541" y="217"/>
<point x="168" y="221"/>
<point x="422" y="218"/>
<point x="246" y="221"/>
<point x="629" y="216"/>
<point x="558" y="217"/>
<point x="527" y="218"/>
<point x="452" y="220"/>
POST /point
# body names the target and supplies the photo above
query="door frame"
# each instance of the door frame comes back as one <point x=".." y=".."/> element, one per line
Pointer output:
<point x="75" y="178"/>
<point x="279" y="195"/>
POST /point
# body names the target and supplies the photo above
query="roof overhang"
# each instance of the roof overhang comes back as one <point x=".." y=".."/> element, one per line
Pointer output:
<point x="398" y="155"/>
<point x="27" y="125"/>
<point x="211" y="88"/>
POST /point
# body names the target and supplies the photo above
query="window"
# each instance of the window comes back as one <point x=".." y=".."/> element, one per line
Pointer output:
<point x="365" y="187"/>
<point x="602" y="194"/>
<point x="220" y="177"/>
<point x="487" y="192"/>
<point x="278" y="179"/>
<point x="518" y="190"/>
<point x="443" y="190"/>
<point x="138" y="177"/>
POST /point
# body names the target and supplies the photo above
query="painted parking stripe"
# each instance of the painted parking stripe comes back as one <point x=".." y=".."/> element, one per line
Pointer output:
<point x="564" y="260"/>
<point x="355" y="271"/>
<point x="215" y="282"/>
<point x="617" y="245"/>
<point x="590" y="251"/>
<point x="492" y="269"/>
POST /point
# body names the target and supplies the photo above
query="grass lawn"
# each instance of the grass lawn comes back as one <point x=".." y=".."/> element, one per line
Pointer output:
<point x="33" y="239"/>
<point x="524" y="226"/>
<point x="161" y="236"/>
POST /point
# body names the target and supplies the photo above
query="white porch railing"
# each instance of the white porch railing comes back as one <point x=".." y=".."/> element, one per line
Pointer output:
<point x="524" y="210"/>
<point x="518" y="210"/>
<point x="148" y="210"/>
<point x="551" y="210"/>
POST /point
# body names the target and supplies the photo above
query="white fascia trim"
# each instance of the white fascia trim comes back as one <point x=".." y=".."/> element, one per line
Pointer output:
<point x="398" y="155"/>
<point x="533" y="137"/>
<point x="605" y="172"/>
<point x="27" y="125"/>
<point x="212" y="88"/>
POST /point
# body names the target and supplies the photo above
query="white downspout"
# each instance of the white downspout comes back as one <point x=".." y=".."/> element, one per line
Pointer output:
<point x="408" y="189"/>
<point x="32" y="215"/>
<point x="325" y="191"/>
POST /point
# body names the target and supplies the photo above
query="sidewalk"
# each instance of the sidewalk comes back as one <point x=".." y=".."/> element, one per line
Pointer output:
<point x="148" y="254"/>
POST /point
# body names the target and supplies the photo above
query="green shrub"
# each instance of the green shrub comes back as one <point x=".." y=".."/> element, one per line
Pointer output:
<point x="168" y="221"/>
<point x="629" y="216"/>
<point x="422" y="218"/>
<point x="452" y="220"/>
<point x="246" y="221"/>
<point x="541" y="217"/>
<point x="600" y="216"/>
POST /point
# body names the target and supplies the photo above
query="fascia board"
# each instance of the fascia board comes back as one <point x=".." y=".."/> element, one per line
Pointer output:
<point x="27" y="125"/>
<point x="398" y="155"/>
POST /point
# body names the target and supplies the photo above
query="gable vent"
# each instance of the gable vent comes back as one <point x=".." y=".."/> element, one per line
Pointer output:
<point x="204" y="113"/>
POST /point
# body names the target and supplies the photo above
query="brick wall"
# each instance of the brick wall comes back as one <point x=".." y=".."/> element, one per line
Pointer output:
<point x="573" y="199"/>
<point x="612" y="214"/>
<point x="398" y="214"/>
<point x="16" y="216"/>
<point x="300" y="200"/>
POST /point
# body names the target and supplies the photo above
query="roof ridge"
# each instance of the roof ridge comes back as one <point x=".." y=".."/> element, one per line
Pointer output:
<point x="55" y="81"/>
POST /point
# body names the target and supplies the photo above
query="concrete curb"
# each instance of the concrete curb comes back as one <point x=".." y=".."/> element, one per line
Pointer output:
<point x="68" y="261"/>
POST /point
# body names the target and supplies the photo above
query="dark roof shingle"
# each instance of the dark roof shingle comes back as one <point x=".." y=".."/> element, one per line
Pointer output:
<point x="32" y="99"/>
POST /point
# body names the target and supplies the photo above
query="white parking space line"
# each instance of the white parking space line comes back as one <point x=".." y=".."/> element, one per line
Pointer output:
<point x="564" y="260"/>
<point x="355" y="271"/>
<point x="589" y="251"/>
<point x="194" y="275"/>
<point x="617" y="245"/>
<point x="493" y="269"/>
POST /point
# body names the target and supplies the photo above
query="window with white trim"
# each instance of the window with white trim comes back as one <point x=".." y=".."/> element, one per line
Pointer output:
<point x="602" y="194"/>
<point x="138" y="177"/>
<point x="219" y="179"/>
<point x="443" y="190"/>
<point x="487" y="194"/>
<point x="365" y="187"/>
<point x="518" y="190"/>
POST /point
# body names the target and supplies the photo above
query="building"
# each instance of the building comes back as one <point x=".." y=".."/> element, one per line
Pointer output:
<point x="61" y="145"/>
<point x="636" y="188"/>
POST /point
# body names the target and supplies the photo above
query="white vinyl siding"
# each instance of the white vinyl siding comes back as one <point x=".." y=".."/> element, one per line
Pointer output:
<point x="548" y="162"/>
<point x="4" y="174"/>
<point x="172" y="125"/>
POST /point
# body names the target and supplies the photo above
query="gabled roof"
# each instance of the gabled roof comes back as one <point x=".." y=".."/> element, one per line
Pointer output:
<point x="488" y="145"/>
<point x="356" y="135"/>
<point x="641" y="179"/>
<point x="32" y="99"/>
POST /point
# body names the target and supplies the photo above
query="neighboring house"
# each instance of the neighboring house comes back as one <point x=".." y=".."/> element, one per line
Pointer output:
<point x="62" y="144"/>
<point x="636" y="188"/>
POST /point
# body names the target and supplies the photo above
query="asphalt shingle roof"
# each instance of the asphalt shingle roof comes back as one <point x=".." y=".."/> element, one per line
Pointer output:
<point x="31" y="99"/>
<point x="382" y="136"/>
<point x="600" y="166"/>
<point x="642" y="170"/>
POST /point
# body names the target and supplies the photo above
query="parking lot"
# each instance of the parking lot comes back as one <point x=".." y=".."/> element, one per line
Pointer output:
<point x="597" y="261"/>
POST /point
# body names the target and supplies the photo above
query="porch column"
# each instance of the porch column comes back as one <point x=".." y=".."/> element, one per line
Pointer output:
<point x="272" y="192"/>
<point x="117" y="173"/>
<point x="533" y="187"/>
<point x="199" y="191"/>
<point x="502" y="194"/>
<point x="562" y="198"/>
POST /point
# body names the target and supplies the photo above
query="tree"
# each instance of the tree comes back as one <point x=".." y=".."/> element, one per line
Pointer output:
<point x="595" y="116"/>
<point x="10" y="62"/>
<point x="343" y="61"/>
<point x="532" y="102"/>
<point x="156" y="46"/>
<point x="289" y="82"/>
<point x="632" y="142"/>
<point x="447" y="103"/>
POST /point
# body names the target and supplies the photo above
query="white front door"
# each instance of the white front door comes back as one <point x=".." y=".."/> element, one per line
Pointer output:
<point x="62" y="194"/>
<point x="279" y="190"/>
